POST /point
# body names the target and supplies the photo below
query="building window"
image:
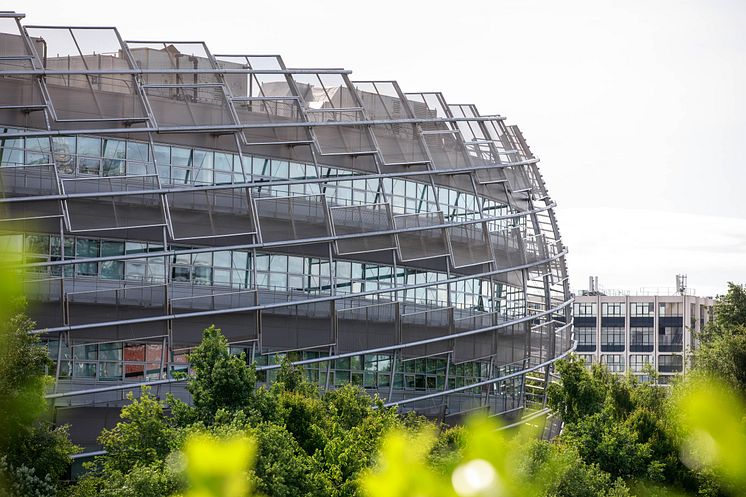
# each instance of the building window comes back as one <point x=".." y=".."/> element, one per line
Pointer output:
<point x="641" y="339"/>
<point x="612" y="309"/>
<point x="670" y="364"/>
<point x="637" y="362"/>
<point x="671" y="339"/>
<point x="612" y="339"/>
<point x="585" y="309"/>
<point x="614" y="362"/>
<point x="586" y="337"/>
<point x="587" y="359"/>
<point x="641" y="309"/>
<point x="670" y="309"/>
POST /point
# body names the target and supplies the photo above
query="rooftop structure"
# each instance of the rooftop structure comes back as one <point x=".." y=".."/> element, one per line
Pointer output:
<point x="388" y="239"/>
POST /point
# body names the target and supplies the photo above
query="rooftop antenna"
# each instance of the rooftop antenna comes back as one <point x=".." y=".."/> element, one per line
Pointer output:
<point x="681" y="283"/>
<point x="593" y="285"/>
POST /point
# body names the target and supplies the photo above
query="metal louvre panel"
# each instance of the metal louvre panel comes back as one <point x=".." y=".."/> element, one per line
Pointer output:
<point x="210" y="213"/>
<point x="367" y="218"/>
<point x="292" y="218"/>
<point x="108" y="213"/>
<point x="496" y="191"/>
<point x="473" y="347"/>
<point x="517" y="178"/>
<point x="92" y="301"/>
<point x="399" y="143"/>
<point x="511" y="344"/>
<point x="297" y="326"/>
<point x="508" y="248"/>
<point x="46" y="298"/>
<point x="542" y="340"/>
<point x="77" y="96"/>
<point x="236" y="326"/>
<point x="24" y="95"/>
<point x="469" y="245"/>
<point x="189" y="105"/>
<point x="22" y="180"/>
<point x="421" y="244"/>
<point x="367" y="326"/>
<point x="343" y="139"/>
<point x="446" y="150"/>
<point x="113" y="212"/>
<point x="420" y="324"/>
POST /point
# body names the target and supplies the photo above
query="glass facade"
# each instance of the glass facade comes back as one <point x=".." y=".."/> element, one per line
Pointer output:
<point x="403" y="258"/>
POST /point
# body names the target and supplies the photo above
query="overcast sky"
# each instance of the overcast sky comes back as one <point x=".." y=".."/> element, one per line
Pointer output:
<point x="636" y="108"/>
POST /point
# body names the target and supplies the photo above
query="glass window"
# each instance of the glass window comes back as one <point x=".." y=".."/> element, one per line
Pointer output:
<point x="582" y="309"/>
<point x="85" y="248"/>
<point x="112" y="270"/>
<point x="670" y="309"/>
<point x="202" y="167"/>
<point x="637" y="362"/>
<point x="109" y="371"/>
<point x="670" y="363"/>
<point x="641" y="339"/>
<point x="614" y="362"/>
<point x="612" y="309"/>
<point x="671" y="338"/>
<point x="137" y="151"/>
<point x="641" y="309"/>
<point x="612" y="339"/>
<point x="110" y="351"/>
<point x="114" y="154"/>
<point x="586" y="337"/>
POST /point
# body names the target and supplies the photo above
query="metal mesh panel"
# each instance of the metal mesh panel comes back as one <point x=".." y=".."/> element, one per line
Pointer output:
<point x="113" y="300"/>
<point x="28" y="181"/>
<point x="495" y="191"/>
<point x="367" y="218"/>
<point x="397" y="143"/>
<point x="446" y="150"/>
<point x="366" y="327"/>
<point x="299" y="326"/>
<point x="343" y="139"/>
<point x="421" y="244"/>
<point x="423" y="324"/>
<point x="210" y="213"/>
<point x="83" y="97"/>
<point x="113" y="212"/>
<point x="292" y="218"/>
<point x="189" y="105"/>
<point x="45" y="297"/>
<point x="469" y="245"/>
<point x="511" y="344"/>
<point x="22" y="181"/>
<point x="236" y="326"/>
<point x="477" y="346"/>
<point x="16" y="90"/>
<point x="517" y="178"/>
<point x="508" y="248"/>
<point x="108" y="213"/>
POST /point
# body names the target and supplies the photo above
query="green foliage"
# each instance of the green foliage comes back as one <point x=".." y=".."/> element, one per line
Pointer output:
<point x="142" y="439"/>
<point x="730" y="310"/>
<point x="221" y="380"/>
<point x="34" y="450"/>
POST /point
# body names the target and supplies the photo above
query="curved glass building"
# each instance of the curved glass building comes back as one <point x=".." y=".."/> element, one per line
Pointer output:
<point x="378" y="237"/>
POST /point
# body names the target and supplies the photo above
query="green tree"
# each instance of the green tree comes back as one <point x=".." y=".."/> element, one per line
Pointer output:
<point x="221" y="380"/>
<point x="31" y="445"/>
<point x="722" y="350"/>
